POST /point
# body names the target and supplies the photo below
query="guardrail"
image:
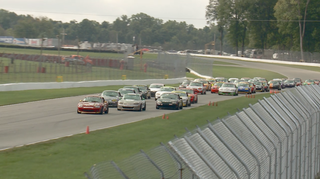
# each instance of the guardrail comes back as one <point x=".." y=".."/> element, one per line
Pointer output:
<point x="278" y="137"/>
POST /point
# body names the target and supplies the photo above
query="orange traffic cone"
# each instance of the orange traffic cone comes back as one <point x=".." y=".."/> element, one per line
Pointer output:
<point x="87" y="131"/>
<point x="216" y="103"/>
<point x="212" y="103"/>
<point x="254" y="96"/>
<point x="167" y="117"/>
<point x="163" y="116"/>
<point x="209" y="103"/>
<point x="246" y="95"/>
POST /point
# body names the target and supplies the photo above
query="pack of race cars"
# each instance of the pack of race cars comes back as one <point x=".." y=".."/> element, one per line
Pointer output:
<point x="134" y="97"/>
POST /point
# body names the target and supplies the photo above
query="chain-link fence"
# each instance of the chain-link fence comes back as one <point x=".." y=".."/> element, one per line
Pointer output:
<point x="47" y="68"/>
<point x="278" y="137"/>
<point x="202" y="66"/>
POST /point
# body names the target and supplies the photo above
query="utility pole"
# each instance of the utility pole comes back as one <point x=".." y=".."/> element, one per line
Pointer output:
<point x="63" y="34"/>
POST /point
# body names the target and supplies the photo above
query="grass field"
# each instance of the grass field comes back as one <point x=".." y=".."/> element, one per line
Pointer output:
<point x="26" y="71"/>
<point x="69" y="157"/>
<point x="231" y="71"/>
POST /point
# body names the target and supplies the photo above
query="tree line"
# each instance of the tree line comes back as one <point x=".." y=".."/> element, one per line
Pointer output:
<point x="234" y="25"/>
<point x="268" y="24"/>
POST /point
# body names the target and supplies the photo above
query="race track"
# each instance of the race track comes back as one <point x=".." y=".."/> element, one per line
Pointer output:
<point x="27" y="123"/>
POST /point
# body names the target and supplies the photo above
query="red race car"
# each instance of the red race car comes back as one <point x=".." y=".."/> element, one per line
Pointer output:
<point x="191" y="93"/>
<point x="93" y="104"/>
<point x="215" y="87"/>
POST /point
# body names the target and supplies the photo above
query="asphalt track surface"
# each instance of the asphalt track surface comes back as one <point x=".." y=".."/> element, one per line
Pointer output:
<point x="33" y="122"/>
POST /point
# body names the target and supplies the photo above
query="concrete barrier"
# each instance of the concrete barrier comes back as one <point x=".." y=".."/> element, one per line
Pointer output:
<point x="60" y="85"/>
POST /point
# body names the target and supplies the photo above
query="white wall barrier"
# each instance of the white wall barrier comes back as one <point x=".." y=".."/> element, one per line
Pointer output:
<point x="60" y="85"/>
<point x="258" y="60"/>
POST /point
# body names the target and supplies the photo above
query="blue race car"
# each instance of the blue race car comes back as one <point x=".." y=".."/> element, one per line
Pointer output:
<point x="244" y="88"/>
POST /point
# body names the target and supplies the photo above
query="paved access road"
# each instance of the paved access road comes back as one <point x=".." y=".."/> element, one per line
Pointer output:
<point x="32" y="122"/>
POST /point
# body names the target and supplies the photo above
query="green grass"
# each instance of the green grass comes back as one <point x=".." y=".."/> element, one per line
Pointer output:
<point x="223" y="63"/>
<point x="26" y="71"/>
<point x="236" y="72"/>
<point x="190" y="75"/>
<point x="36" y="95"/>
<point x="69" y="157"/>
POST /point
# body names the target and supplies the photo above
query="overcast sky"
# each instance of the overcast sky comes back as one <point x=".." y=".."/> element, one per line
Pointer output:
<point x="190" y="11"/>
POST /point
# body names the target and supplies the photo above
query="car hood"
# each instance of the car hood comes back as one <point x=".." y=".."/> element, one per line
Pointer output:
<point x="160" y="92"/>
<point x="195" y="87"/>
<point x="130" y="101"/>
<point x="89" y="103"/>
<point x="154" y="89"/>
<point x="167" y="100"/>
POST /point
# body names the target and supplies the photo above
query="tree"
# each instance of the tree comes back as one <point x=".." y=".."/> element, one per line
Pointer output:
<point x="288" y="13"/>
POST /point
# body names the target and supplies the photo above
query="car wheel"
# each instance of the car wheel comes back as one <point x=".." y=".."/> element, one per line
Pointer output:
<point x="78" y="111"/>
<point x="157" y="107"/>
<point x="181" y="107"/>
<point x="145" y="107"/>
<point x="205" y="92"/>
<point x="101" y="110"/>
<point x="118" y="109"/>
<point x="149" y="97"/>
<point x="177" y="107"/>
<point x="197" y="100"/>
<point x="140" y="109"/>
<point x="189" y="104"/>
<point x="107" y="111"/>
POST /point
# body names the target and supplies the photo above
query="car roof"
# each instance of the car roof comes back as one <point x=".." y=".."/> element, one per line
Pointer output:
<point x="156" y="84"/>
<point x="178" y="92"/>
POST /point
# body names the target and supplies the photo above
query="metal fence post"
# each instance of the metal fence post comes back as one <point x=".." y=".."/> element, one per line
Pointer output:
<point x="153" y="163"/>
<point x="230" y="149"/>
<point x="245" y="145"/>
<point x="261" y="143"/>
<point x="218" y="152"/>
<point x="273" y="130"/>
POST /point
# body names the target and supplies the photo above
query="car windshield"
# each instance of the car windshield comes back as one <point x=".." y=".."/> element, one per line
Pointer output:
<point x="182" y="94"/>
<point x="169" y="96"/>
<point x="309" y="80"/>
<point x="130" y="87"/>
<point x="297" y="80"/>
<point x="142" y="88"/>
<point x="274" y="82"/>
<point x="185" y="83"/>
<point x="166" y="89"/>
<point x="134" y="97"/>
<point x="126" y="91"/>
<point x="195" y="84"/>
<point x="110" y="93"/>
<point x="228" y="85"/>
<point x="243" y="85"/>
<point x="257" y="83"/>
<point x="218" y="84"/>
<point x="155" y="86"/>
<point x="92" y="99"/>
<point x="289" y="81"/>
